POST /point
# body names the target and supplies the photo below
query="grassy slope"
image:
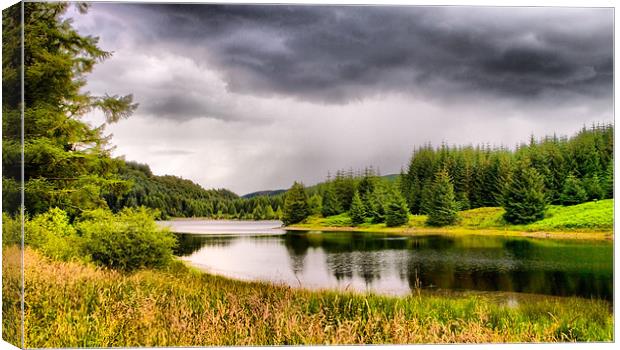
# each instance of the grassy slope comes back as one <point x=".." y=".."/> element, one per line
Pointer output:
<point x="587" y="220"/>
<point x="77" y="305"/>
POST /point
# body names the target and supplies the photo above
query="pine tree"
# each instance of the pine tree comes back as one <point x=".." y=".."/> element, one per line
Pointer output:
<point x="443" y="207"/>
<point x="593" y="187"/>
<point x="524" y="200"/>
<point x="66" y="160"/>
<point x="397" y="212"/>
<point x="315" y="204"/>
<point x="295" y="205"/>
<point x="269" y="214"/>
<point x="257" y="213"/>
<point x="426" y="197"/>
<point x="609" y="180"/>
<point x="357" y="212"/>
<point x="377" y="208"/>
<point x="344" y="187"/>
<point x="572" y="191"/>
<point x="279" y="214"/>
<point x="330" y="205"/>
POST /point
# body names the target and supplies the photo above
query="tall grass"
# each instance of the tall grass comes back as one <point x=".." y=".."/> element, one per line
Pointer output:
<point x="72" y="304"/>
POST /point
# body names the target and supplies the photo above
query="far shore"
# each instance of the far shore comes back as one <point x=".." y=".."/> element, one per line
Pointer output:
<point x="450" y="231"/>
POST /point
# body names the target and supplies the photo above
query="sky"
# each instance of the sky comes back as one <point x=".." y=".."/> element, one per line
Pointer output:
<point x="254" y="97"/>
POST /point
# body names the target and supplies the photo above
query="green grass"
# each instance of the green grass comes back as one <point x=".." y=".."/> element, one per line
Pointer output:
<point x="591" y="215"/>
<point x="587" y="217"/>
<point x="71" y="304"/>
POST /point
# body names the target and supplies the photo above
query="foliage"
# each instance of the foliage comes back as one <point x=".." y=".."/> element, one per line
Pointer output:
<point x="357" y="212"/>
<point x="377" y="208"/>
<point x="572" y="191"/>
<point x="166" y="307"/>
<point x="53" y="234"/>
<point x="11" y="230"/>
<point x="443" y="207"/>
<point x="524" y="200"/>
<point x="127" y="241"/>
<point x="173" y="196"/>
<point x="67" y="161"/>
<point x="344" y="187"/>
<point x="397" y="212"/>
<point x="295" y="205"/>
<point x="480" y="173"/>
<point x="593" y="187"/>
<point x="330" y="205"/>
<point x="315" y="204"/>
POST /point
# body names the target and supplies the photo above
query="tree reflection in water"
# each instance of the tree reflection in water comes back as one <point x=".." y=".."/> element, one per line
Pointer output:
<point x="381" y="261"/>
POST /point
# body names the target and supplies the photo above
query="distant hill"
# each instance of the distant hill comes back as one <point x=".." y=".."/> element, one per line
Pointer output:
<point x="263" y="193"/>
<point x="172" y="195"/>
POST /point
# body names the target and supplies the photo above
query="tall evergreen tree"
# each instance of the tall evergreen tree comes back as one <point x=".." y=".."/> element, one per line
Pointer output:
<point x="572" y="191"/>
<point x="357" y="212"/>
<point x="295" y="205"/>
<point x="609" y="180"/>
<point x="344" y="187"/>
<point x="330" y="205"/>
<point x="67" y="161"/>
<point x="377" y="208"/>
<point x="315" y="204"/>
<point x="524" y="200"/>
<point x="443" y="208"/>
<point x="396" y="212"/>
<point x="269" y="213"/>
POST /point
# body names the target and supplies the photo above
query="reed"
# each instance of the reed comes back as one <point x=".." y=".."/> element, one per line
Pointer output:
<point x="73" y="304"/>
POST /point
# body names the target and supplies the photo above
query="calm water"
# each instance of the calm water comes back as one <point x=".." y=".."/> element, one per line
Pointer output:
<point x="391" y="264"/>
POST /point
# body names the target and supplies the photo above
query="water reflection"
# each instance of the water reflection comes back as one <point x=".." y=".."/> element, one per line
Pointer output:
<point x="396" y="265"/>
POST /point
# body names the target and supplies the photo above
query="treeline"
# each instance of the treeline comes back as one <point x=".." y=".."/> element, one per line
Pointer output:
<point x="573" y="170"/>
<point x="441" y="181"/>
<point x="176" y="197"/>
<point x="364" y="195"/>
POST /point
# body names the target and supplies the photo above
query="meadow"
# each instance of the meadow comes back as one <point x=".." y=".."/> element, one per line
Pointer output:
<point x="75" y="304"/>
<point x="590" y="220"/>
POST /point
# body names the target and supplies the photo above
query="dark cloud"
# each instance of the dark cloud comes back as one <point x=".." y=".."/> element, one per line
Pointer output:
<point x="336" y="54"/>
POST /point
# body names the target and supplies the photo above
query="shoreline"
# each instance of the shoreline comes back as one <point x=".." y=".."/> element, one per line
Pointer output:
<point x="455" y="231"/>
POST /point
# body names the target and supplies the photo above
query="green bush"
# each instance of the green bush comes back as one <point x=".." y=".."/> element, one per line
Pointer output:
<point x="127" y="241"/>
<point x="53" y="235"/>
<point x="11" y="230"/>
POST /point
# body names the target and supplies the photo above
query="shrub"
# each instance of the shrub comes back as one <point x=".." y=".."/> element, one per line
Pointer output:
<point x="127" y="241"/>
<point x="11" y="230"/>
<point x="53" y="235"/>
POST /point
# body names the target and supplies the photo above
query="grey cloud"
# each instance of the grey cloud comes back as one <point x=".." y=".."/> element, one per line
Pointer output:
<point x="336" y="54"/>
<point x="173" y="152"/>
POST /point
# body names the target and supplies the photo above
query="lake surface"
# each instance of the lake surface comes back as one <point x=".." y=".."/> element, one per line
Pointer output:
<point x="390" y="264"/>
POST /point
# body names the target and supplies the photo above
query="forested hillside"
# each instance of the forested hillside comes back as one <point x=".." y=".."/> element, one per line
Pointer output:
<point x="177" y="197"/>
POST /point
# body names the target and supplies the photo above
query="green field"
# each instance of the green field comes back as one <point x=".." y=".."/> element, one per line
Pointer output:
<point x="72" y="304"/>
<point x="592" y="219"/>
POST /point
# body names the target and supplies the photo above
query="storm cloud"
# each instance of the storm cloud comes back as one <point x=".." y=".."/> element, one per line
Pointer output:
<point x="290" y="92"/>
<point x="338" y="54"/>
